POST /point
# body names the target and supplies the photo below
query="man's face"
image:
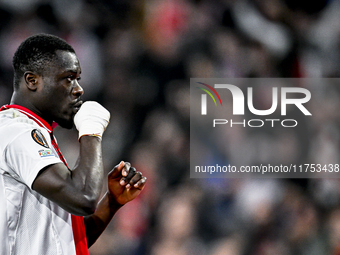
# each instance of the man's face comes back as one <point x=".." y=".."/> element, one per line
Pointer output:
<point x="61" y="91"/>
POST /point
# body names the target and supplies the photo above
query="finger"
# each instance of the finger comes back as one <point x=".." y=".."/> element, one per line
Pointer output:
<point x="140" y="184"/>
<point x="134" y="179"/>
<point x="126" y="169"/>
<point x="125" y="180"/>
<point x="116" y="171"/>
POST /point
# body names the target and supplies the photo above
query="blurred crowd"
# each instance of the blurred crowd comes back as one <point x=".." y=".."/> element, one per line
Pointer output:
<point x="137" y="58"/>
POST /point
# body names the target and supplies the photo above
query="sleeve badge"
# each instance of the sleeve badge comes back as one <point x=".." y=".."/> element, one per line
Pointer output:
<point x="45" y="153"/>
<point x="39" y="138"/>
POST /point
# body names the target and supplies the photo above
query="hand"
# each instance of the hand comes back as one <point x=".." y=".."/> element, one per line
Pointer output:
<point x="125" y="183"/>
<point x="91" y="119"/>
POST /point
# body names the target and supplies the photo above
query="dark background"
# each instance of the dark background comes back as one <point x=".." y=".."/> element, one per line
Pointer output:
<point x="137" y="58"/>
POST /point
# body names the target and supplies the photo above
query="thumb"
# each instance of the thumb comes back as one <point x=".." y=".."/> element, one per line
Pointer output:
<point x="116" y="171"/>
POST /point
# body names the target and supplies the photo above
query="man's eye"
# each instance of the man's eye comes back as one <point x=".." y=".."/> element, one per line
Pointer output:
<point x="71" y="77"/>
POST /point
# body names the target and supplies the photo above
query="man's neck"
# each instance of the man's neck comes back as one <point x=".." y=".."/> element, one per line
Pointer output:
<point x="23" y="101"/>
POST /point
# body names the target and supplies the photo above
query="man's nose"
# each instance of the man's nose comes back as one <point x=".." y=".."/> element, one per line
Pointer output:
<point x="78" y="90"/>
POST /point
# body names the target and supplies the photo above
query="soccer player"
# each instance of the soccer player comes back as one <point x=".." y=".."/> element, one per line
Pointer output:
<point x="46" y="207"/>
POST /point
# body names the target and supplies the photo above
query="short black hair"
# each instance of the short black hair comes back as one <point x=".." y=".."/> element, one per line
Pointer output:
<point x="35" y="53"/>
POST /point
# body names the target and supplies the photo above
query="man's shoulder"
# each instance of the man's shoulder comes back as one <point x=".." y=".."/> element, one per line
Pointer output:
<point x="13" y="123"/>
<point x="12" y="117"/>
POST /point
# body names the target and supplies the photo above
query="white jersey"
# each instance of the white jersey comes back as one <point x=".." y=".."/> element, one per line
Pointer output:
<point x="30" y="224"/>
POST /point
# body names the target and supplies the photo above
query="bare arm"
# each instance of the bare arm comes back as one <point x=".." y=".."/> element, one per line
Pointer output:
<point x="76" y="191"/>
<point x="96" y="223"/>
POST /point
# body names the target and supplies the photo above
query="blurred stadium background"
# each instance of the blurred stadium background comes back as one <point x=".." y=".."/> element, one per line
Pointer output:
<point x="137" y="57"/>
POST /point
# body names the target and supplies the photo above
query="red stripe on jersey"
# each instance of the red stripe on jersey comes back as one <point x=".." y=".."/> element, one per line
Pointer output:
<point x="40" y="121"/>
<point x="78" y="225"/>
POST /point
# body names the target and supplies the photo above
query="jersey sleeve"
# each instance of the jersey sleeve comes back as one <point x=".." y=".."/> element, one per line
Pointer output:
<point x="29" y="153"/>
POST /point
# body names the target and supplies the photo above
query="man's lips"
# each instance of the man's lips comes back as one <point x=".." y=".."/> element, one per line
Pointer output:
<point x="77" y="106"/>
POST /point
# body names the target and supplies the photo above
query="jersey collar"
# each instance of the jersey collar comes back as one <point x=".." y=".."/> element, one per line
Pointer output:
<point x="40" y="121"/>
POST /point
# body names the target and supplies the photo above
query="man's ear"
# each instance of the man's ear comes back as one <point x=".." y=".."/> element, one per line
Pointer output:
<point x="31" y="80"/>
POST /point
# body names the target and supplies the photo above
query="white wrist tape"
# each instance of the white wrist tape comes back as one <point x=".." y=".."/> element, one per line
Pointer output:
<point x="91" y="119"/>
